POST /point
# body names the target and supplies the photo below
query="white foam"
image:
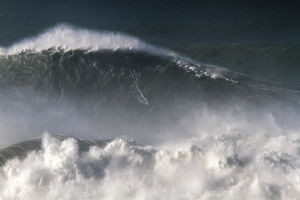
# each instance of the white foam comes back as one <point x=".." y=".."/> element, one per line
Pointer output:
<point x="210" y="167"/>
<point x="67" y="37"/>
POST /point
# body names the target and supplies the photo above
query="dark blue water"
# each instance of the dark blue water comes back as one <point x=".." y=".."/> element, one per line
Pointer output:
<point x="168" y="23"/>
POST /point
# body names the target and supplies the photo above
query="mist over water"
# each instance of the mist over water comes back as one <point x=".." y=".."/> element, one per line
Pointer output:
<point x="106" y="115"/>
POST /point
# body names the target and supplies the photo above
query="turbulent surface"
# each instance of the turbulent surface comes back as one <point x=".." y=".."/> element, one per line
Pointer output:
<point x="274" y="63"/>
<point x="210" y="167"/>
<point x="208" y="132"/>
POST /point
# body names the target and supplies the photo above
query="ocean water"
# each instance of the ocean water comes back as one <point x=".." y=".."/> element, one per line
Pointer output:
<point x="149" y="100"/>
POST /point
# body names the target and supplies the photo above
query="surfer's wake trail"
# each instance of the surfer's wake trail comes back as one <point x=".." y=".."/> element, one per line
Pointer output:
<point x="139" y="122"/>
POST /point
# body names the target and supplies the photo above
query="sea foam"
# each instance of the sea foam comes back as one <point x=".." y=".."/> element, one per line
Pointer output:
<point x="223" y="167"/>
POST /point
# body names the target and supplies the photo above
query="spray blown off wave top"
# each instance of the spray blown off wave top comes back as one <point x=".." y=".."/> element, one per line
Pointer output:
<point x="139" y="122"/>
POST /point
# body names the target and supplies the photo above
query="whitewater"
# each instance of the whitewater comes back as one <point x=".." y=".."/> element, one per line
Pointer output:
<point x="102" y="115"/>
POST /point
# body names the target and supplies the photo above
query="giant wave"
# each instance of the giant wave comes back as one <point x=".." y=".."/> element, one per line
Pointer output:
<point x="208" y="132"/>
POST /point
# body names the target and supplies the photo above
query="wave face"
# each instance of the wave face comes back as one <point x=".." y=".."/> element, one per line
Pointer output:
<point x="154" y="124"/>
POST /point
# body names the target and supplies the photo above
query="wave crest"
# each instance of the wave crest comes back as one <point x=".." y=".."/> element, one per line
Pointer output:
<point x="67" y="37"/>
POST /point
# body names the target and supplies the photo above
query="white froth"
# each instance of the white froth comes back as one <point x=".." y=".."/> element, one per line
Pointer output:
<point x="223" y="167"/>
<point x="67" y="37"/>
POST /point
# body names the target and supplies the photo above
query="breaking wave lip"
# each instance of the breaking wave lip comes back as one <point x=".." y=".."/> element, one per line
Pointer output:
<point x="68" y="37"/>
